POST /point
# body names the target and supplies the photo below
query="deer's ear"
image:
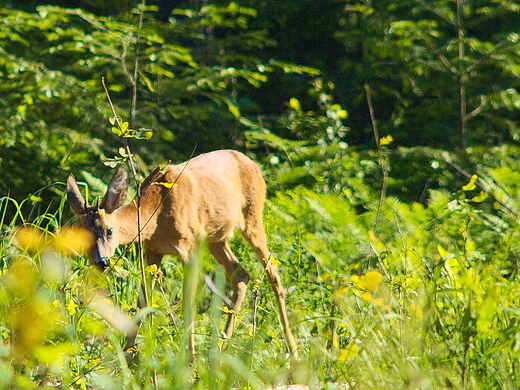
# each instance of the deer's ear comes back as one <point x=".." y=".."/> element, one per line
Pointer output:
<point x="116" y="191"/>
<point x="74" y="197"/>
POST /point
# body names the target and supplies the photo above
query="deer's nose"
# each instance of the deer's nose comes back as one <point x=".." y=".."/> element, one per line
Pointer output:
<point x="102" y="263"/>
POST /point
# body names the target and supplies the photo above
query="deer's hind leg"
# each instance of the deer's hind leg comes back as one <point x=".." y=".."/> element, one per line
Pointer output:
<point x="254" y="234"/>
<point x="238" y="278"/>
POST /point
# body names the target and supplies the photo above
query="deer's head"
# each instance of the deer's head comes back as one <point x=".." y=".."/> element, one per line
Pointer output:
<point x="100" y="220"/>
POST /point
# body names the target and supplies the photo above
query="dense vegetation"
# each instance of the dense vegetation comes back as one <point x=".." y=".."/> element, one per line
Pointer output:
<point x="388" y="135"/>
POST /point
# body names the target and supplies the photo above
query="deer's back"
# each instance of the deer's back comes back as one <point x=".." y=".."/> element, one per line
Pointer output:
<point x="209" y="197"/>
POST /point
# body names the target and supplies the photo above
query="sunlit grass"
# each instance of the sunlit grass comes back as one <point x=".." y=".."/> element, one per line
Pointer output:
<point x="415" y="310"/>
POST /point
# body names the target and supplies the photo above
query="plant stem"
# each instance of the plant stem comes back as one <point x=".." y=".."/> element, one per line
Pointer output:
<point x="462" y="78"/>
<point x="144" y="286"/>
<point x="133" y="108"/>
<point x="382" y="161"/>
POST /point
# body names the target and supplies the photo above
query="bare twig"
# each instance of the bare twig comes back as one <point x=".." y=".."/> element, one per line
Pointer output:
<point x="138" y="199"/>
<point x="136" y="66"/>
<point x="479" y="183"/>
<point x="382" y="161"/>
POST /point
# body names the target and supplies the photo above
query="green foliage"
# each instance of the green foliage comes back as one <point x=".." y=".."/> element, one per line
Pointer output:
<point x="381" y="293"/>
<point x="434" y="66"/>
<point x="191" y="82"/>
<point x="403" y="277"/>
<point x="447" y="302"/>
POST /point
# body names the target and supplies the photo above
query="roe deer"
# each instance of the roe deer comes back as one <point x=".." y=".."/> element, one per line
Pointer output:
<point x="213" y="194"/>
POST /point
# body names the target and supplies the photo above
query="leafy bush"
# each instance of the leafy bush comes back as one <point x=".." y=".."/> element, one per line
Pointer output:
<point x="190" y="83"/>
<point x="400" y="264"/>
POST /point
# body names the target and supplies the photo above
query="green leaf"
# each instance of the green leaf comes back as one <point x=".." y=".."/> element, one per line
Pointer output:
<point x="124" y="127"/>
<point x="122" y="151"/>
<point x="480" y="197"/>
<point x="35" y="199"/>
<point x="115" y="120"/>
<point x="487" y="311"/>
<point x="341" y="291"/>
<point x="386" y="140"/>
<point x="234" y="110"/>
<point x="295" y="104"/>
<point x="292" y="68"/>
<point x="165" y="184"/>
<point x="116" y="131"/>
<point x="471" y="185"/>
<point x="113" y="162"/>
<point x="143" y="133"/>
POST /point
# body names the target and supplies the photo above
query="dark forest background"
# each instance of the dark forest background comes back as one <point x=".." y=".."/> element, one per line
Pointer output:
<point x="309" y="87"/>
<point x="388" y="133"/>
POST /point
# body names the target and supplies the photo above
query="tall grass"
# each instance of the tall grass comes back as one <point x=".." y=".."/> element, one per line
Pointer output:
<point x="428" y="302"/>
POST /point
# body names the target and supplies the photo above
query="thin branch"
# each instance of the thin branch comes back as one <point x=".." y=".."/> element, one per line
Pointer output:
<point x="497" y="47"/>
<point x="382" y="162"/>
<point x="136" y="66"/>
<point x="83" y="16"/>
<point x="140" y="250"/>
<point x="479" y="183"/>
<point x="138" y="198"/>
<point x="159" y="205"/>
<point x="463" y="102"/>
<point x="477" y="110"/>
<point x="436" y="12"/>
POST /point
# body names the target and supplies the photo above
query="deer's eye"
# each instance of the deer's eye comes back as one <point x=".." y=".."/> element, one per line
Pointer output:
<point x="110" y="231"/>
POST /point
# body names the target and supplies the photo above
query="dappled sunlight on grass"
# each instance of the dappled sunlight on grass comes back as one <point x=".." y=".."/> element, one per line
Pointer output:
<point x="418" y="305"/>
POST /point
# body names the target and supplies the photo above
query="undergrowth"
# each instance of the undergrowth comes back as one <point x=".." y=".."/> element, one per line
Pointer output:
<point x="426" y="299"/>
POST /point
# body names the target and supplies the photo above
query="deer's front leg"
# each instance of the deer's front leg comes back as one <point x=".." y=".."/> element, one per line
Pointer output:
<point x="238" y="277"/>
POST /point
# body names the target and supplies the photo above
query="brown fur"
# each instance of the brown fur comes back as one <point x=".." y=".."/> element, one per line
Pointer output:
<point x="213" y="194"/>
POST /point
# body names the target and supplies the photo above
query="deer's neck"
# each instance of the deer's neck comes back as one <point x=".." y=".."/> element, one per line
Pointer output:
<point x="129" y="222"/>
